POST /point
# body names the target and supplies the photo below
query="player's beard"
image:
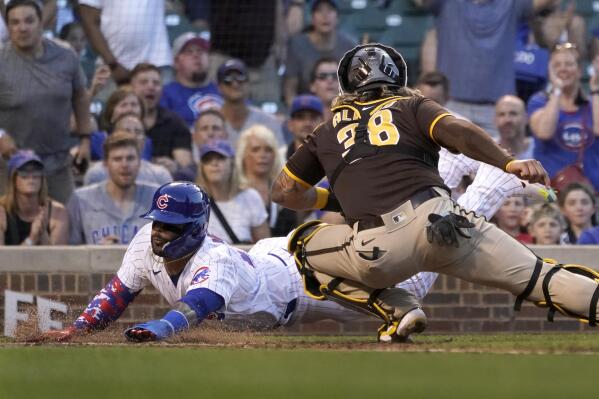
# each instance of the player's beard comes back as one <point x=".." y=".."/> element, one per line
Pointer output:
<point x="158" y="246"/>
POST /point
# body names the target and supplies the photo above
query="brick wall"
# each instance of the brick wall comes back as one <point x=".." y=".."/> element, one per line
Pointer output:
<point x="452" y="305"/>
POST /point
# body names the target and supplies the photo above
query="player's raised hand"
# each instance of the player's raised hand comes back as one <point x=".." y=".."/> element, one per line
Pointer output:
<point x="530" y="170"/>
<point x="153" y="330"/>
<point x="54" y="336"/>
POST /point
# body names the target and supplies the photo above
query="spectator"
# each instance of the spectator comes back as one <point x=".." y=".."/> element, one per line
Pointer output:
<point x="321" y="40"/>
<point x="73" y="34"/>
<point x="252" y="31"/>
<point x="121" y="102"/>
<point x="191" y="91"/>
<point x="27" y="215"/>
<point x="258" y="162"/>
<point x="125" y="33"/>
<point x="238" y="215"/>
<point x="239" y="116"/>
<point x="511" y="119"/>
<point x="578" y="205"/>
<point x="434" y="85"/>
<point x="508" y="218"/>
<point x="41" y="83"/>
<point x="209" y="126"/>
<point x="148" y="172"/>
<point x="546" y="225"/>
<point x="561" y="119"/>
<point x="530" y="62"/>
<point x="324" y="83"/>
<point x="306" y="113"/>
<point x="171" y="139"/>
<point x="555" y="26"/>
<point x="482" y="34"/>
<point x="108" y="212"/>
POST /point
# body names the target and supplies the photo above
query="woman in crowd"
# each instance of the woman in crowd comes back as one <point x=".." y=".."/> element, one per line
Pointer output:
<point x="27" y="215"/>
<point x="561" y="119"/>
<point x="546" y="225"/>
<point x="238" y="215"/>
<point x="259" y="162"/>
<point x="122" y="101"/>
<point x="509" y="217"/>
<point x="578" y="205"/>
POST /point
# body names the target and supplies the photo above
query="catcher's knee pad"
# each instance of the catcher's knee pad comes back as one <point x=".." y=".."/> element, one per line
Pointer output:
<point x="572" y="268"/>
<point x="296" y="246"/>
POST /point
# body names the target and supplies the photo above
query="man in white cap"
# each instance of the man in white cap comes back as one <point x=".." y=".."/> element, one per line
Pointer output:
<point x="191" y="91"/>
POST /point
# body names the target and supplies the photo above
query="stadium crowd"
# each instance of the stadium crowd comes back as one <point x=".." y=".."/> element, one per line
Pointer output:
<point x="102" y="101"/>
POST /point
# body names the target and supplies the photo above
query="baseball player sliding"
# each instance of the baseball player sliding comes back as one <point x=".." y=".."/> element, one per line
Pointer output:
<point x="202" y="277"/>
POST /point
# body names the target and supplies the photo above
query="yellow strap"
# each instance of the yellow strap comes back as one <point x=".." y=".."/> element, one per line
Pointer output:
<point x="297" y="179"/>
<point x="508" y="164"/>
<point x="322" y="196"/>
<point x="437" y="119"/>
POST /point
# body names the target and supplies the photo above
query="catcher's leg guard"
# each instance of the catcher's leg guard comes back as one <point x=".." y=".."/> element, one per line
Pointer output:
<point x="371" y="306"/>
<point x="584" y="271"/>
<point x="315" y="288"/>
<point x="296" y="246"/>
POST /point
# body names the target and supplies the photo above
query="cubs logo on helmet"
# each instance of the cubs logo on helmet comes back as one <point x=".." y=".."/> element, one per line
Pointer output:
<point x="162" y="201"/>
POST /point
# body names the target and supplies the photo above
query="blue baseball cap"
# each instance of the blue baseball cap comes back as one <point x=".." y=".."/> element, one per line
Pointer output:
<point x="221" y="147"/>
<point x="22" y="157"/>
<point x="230" y="66"/>
<point x="306" y="102"/>
<point x="316" y="3"/>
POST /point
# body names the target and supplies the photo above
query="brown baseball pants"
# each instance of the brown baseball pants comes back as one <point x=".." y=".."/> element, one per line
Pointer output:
<point x="383" y="256"/>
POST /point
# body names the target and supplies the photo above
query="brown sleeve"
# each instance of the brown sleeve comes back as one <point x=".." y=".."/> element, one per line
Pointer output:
<point x="470" y="140"/>
<point x="428" y="114"/>
<point x="304" y="166"/>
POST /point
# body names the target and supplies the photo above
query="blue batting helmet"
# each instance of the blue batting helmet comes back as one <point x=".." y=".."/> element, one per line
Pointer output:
<point x="181" y="203"/>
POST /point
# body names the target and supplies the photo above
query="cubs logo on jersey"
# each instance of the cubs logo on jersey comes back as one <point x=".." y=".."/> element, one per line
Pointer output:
<point x="202" y="274"/>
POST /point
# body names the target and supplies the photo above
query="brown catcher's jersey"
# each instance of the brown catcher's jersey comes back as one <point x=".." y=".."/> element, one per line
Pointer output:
<point x="375" y="184"/>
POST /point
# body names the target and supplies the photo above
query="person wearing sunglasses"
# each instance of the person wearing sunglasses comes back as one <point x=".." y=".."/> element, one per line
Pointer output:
<point x="562" y="120"/>
<point x="28" y="216"/>
<point x="322" y="38"/>
<point x="233" y="84"/>
<point x="324" y="83"/>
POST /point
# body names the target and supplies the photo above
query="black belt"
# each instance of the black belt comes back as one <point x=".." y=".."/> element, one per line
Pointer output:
<point x="417" y="199"/>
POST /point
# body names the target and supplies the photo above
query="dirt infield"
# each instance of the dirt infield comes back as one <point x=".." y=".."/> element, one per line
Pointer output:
<point x="212" y="335"/>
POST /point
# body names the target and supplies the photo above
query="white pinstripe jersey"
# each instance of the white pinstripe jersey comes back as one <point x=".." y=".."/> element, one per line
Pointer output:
<point x="248" y="285"/>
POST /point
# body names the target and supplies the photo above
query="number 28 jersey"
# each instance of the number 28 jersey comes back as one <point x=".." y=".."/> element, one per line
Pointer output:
<point x="375" y="184"/>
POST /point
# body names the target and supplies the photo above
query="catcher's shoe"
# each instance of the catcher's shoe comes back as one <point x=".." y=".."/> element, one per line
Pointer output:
<point x="399" y="331"/>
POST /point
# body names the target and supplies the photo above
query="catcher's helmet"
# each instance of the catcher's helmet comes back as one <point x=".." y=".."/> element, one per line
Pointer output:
<point x="181" y="203"/>
<point x="368" y="66"/>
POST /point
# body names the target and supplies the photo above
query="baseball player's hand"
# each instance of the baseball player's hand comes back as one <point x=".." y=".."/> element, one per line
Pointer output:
<point x="153" y="330"/>
<point x="54" y="335"/>
<point x="530" y="170"/>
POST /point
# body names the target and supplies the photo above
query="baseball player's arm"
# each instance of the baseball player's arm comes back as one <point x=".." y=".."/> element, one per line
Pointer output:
<point x="106" y="307"/>
<point x="472" y="141"/>
<point x="189" y="311"/>
<point x="294" y="187"/>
